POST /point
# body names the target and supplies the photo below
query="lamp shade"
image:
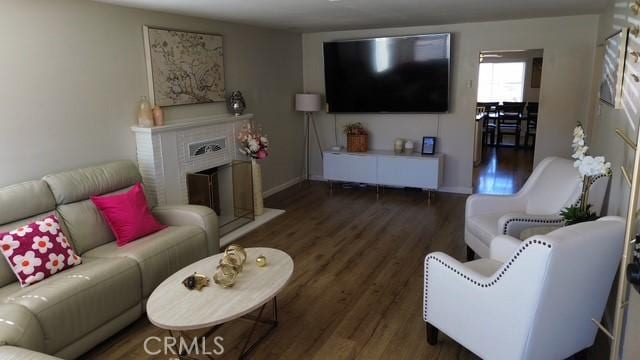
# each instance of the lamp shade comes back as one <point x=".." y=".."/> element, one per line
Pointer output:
<point x="308" y="102"/>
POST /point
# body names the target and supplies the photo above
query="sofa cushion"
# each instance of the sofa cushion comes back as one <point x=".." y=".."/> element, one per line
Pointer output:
<point x="159" y="255"/>
<point x="485" y="226"/>
<point x="84" y="225"/>
<point x="16" y="353"/>
<point x="20" y="205"/>
<point x="80" y="184"/>
<point x="37" y="250"/>
<point x="75" y="302"/>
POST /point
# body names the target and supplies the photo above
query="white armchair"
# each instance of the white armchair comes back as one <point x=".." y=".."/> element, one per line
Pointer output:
<point x="553" y="185"/>
<point x="530" y="300"/>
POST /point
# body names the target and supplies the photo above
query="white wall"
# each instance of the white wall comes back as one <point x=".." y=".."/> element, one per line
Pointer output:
<point x="568" y="44"/>
<point x="605" y="142"/>
<point x="73" y="72"/>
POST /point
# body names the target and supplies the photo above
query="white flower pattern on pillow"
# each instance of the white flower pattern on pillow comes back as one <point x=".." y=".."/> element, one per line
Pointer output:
<point x="42" y="244"/>
<point x="55" y="263"/>
<point x="8" y="244"/>
<point x="73" y="259"/>
<point x="34" y="278"/>
<point x="21" y="231"/>
<point x="27" y="263"/>
<point x="48" y="225"/>
<point x="62" y="240"/>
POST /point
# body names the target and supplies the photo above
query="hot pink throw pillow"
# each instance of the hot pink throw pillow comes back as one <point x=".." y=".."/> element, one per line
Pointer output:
<point x="128" y="215"/>
<point x="38" y="250"/>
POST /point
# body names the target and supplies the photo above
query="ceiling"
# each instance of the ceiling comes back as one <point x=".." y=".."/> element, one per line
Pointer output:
<point x="324" y="15"/>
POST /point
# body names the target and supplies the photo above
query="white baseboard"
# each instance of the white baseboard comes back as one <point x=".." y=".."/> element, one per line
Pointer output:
<point x="456" y="190"/>
<point x="447" y="189"/>
<point x="281" y="187"/>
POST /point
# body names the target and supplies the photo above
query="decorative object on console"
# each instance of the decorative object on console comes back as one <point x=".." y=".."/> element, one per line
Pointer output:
<point x="256" y="146"/>
<point x="261" y="261"/>
<point x="398" y="146"/>
<point x="590" y="168"/>
<point x="145" y="114"/>
<point x="408" y="147"/>
<point x="309" y="103"/>
<point x="236" y="103"/>
<point x="183" y="67"/>
<point x="38" y="250"/>
<point x="633" y="269"/>
<point x="613" y="68"/>
<point x="158" y="116"/>
<point x="128" y="215"/>
<point x="357" y="137"/>
<point x="196" y="281"/>
<point x="429" y="145"/>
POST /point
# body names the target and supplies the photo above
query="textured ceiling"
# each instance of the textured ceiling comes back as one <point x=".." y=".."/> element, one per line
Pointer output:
<point x="324" y="15"/>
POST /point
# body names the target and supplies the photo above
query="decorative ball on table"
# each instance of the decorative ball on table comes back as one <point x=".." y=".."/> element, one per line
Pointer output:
<point x="261" y="261"/>
<point x="225" y="275"/>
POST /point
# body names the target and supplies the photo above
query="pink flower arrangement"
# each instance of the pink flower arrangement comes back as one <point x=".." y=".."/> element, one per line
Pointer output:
<point x="253" y="143"/>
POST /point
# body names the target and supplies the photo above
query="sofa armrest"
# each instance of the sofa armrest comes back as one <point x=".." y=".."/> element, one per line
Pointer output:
<point x="17" y="353"/>
<point x="513" y="224"/>
<point x="201" y="216"/>
<point x="503" y="247"/>
<point x="480" y="204"/>
<point x="19" y="327"/>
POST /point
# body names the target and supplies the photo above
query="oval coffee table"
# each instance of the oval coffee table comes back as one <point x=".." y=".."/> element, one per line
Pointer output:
<point x="173" y="307"/>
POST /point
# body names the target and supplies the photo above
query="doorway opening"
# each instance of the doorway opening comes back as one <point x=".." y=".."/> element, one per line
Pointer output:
<point x="506" y="119"/>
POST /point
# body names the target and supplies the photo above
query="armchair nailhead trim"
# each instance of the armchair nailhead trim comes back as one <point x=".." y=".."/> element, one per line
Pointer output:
<point x="532" y="221"/>
<point x="487" y="284"/>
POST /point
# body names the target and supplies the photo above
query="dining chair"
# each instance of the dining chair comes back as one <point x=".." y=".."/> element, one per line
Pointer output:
<point x="532" y="124"/>
<point x="489" y="121"/>
<point x="509" y="121"/>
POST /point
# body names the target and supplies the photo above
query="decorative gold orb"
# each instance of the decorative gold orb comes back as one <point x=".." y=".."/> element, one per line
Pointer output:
<point x="232" y="261"/>
<point x="261" y="261"/>
<point x="225" y="275"/>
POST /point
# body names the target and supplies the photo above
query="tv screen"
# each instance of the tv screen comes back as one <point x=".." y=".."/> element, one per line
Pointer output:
<point x="407" y="74"/>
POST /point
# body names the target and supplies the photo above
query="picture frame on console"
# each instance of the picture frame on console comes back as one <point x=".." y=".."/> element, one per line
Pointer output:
<point x="429" y="145"/>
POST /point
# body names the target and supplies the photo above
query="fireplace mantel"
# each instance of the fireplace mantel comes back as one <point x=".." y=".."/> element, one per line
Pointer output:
<point x="193" y="122"/>
<point x="167" y="153"/>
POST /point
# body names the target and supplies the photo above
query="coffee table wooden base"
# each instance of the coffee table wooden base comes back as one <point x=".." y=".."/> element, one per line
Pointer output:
<point x="248" y="347"/>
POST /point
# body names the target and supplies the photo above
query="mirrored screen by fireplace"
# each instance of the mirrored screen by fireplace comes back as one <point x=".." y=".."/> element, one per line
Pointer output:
<point x="228" y="190"/>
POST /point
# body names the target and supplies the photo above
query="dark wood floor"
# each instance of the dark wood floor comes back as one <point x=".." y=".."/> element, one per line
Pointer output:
<point x="357" y="286"/>
<point x="356" y="292"/>
<point x="503" y="170"/>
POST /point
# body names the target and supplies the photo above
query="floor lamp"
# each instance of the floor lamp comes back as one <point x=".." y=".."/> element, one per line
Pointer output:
<point x="309" y="103"/>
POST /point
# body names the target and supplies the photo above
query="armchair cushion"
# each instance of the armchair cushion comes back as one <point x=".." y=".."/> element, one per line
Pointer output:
<point x="503" y="247"/>
<point x="513" y="224"/>
<point x="484" y="226"/>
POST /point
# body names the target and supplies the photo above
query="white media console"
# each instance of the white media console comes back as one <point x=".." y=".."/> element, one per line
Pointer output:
<point x="384" y="167"/>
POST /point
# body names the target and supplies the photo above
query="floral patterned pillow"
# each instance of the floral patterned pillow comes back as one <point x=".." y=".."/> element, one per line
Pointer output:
<point x="38" y="250"/>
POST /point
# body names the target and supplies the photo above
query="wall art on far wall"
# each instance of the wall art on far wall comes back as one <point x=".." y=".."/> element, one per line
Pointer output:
<point x="613" y="68"/>
<point x="183" y="67"/>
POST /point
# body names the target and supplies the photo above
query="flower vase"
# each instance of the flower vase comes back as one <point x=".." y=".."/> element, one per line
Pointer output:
<point x="258" y="204"/>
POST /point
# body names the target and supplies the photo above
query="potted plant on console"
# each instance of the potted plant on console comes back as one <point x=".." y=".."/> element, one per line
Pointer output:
<point x="357" y="137"/>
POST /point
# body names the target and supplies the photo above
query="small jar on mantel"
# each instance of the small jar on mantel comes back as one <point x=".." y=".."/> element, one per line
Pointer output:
<point x="158" y="116"/>
<point x="145" y="114"/>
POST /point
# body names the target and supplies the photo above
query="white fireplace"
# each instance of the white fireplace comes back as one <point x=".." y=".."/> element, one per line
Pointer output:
<point x="167" y="153"/>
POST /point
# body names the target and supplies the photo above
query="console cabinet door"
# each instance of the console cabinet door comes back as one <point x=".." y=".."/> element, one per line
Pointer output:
<point x="348" y="167"/>
<point x="411" y="172"/>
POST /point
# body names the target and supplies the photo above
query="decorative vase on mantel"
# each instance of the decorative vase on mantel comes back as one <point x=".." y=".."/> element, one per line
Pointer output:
<point x="258" y="203"/>
<point x="145" y="114"/>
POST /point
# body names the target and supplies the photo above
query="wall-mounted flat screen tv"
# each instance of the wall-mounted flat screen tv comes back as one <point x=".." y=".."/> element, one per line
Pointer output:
<point x="405" y="74"/>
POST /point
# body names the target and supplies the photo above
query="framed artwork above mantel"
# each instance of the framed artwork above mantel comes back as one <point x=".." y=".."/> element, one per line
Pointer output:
<point x="183" y="67"/>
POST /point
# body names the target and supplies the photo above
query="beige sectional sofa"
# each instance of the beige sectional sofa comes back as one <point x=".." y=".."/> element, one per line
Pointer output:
<point x="69" y="313"/>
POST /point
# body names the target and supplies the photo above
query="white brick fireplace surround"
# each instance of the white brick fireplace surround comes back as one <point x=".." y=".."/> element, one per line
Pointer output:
<point x="167" y="153"/>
